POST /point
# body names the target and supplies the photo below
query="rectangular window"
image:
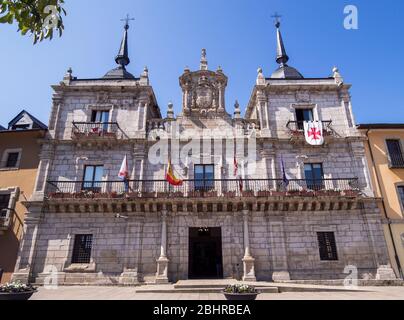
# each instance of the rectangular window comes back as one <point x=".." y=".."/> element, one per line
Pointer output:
<point x="82" y="248"/>
<point x="12" y="160"/>
<point x="21" y="127"/>
<point x="303" y="115"/>
<point x="401" y="194"/>
<point x="101" y="119"/>
<point x="314" y="175"/>
<point x="93" y="178"/>
<point x="327" y="246"/>
<point x="4" y="203"/>
<point x="395" y="153"/>
<point x="204" y="177"/>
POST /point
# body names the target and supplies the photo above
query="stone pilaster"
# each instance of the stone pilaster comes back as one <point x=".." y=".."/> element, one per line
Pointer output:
<point x="26" y="255"/>
<point x="130" y="274"/>
<point x="248" y="260"/>
<point x="278" y="252"/>
<point x="377" y="244"/>
<point x="162" y="261"/>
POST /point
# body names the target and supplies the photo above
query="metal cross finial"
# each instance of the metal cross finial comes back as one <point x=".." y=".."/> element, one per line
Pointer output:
<point x="277" y="17"/>
<point x="127" y="19"/>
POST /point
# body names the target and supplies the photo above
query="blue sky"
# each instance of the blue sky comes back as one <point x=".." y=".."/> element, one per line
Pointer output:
<point x="239" y="35"/>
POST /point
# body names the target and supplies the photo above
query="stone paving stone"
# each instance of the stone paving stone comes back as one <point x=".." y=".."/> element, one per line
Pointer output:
<point x="122" y="293"/>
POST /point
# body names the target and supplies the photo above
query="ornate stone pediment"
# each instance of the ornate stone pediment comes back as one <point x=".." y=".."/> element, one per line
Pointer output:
<point x="203" y="92"/>
<point x="303" y="96"/>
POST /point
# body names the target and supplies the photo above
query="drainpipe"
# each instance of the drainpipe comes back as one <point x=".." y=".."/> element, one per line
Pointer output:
<point x="384" y="208"/>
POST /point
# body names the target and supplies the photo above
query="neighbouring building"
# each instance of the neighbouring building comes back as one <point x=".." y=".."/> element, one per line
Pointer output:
<point x="19" y="152"/>
<point x="277" y="209"/>
<point x="384" y="150"/>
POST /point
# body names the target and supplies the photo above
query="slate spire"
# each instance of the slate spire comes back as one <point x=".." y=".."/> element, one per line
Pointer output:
<point x="281" y="55"/>
<point x="123" y="57"/>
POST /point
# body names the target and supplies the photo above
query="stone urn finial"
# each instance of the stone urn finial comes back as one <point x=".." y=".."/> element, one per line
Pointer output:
<point x="337" y="76"/>
<point x="237" y="111"/>
<point x="170" y="110"/>
<point x="260" y="77"/>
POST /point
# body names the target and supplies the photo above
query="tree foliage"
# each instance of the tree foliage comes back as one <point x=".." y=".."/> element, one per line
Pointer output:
<point x="39" y="18"/>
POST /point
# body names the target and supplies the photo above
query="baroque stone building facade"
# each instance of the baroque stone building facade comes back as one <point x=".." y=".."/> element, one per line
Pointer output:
<point x="277" y="209"/>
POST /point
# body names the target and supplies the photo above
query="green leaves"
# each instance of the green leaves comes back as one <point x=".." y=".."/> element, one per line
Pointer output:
<point x="38" y="18"/>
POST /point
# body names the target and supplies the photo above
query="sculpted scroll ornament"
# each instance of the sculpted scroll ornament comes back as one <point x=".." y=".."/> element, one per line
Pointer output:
<point x="303" y="96"/>
<point x="204" y="97"/>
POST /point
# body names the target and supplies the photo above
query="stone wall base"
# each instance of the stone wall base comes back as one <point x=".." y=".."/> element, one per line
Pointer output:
<point x="385" y="273"/>
<point x="129" y="278"/>
<point x="281" y="276"/>
<point x="22" y="276"/>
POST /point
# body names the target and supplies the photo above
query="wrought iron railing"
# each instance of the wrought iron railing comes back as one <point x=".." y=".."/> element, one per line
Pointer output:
<point x="396" y="160"/>
<point x="298" y="126"/>
<point x="97" y="129"/>
<point x="202" y="188"/>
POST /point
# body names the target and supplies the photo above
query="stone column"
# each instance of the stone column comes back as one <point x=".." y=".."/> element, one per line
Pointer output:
<point x="248" y="260"/>
<point x="221" y="98"/>
<point x="262" y="106"/>
<point x="25" y="261"/>
<point x="268" y="157"/>
<point x="162" y="262"/>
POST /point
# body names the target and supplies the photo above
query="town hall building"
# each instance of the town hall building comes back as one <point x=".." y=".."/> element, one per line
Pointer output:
<point x="254" y="200"/>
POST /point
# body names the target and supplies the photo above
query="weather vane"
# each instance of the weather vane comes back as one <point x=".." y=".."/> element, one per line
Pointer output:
<point x="127" y="19"/>
<point x="277" y="17"/>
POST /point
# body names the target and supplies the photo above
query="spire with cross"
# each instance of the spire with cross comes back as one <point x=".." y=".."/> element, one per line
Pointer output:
<point x="281" y="56"/>
<point x="284" y="71"/>
<point x="123" y="57"/>
<point x="277" y="18"/>
<point x="127" y="19"/>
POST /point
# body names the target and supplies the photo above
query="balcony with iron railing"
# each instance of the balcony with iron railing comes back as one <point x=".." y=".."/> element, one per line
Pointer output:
<point x="97" y="130"/>
<point x="296" y="128"/>
<point x="231" y="188"/>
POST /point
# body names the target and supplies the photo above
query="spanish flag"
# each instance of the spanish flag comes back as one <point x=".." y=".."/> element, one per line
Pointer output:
<point x="171" y="178"/>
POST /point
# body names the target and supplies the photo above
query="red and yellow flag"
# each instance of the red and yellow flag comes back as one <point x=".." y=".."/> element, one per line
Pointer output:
<point x="171" y="178"/>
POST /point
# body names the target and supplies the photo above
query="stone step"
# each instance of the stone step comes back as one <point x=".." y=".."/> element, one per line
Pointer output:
<point x="207" y="285"/>
<point x="202" y="290"/>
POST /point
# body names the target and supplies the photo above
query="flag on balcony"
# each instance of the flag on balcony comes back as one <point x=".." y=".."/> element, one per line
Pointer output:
<point x="285" y="177"/>
<point x="170" y="176"/>
<point x="124" y="173"/>
<point x="313" y="132"/>
<point x="237" y="175"/>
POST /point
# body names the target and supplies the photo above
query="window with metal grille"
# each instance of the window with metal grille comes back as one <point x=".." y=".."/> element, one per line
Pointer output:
<point x="401" y="194"/>
<point x="12" y="159"/>
<point x="4" y="203"/>
<point x="327" y="246"/>
<point x="395" y="153"/>
<point x="82" y="248"/>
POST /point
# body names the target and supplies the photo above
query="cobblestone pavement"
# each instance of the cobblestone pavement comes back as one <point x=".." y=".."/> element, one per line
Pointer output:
<point x="126" y="293"/>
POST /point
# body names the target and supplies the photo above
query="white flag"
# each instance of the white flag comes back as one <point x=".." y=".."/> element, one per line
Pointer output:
<point x="124" y="171"/>
<point x="313" y="132"/>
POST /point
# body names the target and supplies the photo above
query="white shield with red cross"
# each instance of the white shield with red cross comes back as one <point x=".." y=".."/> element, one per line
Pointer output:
<point x="313" y="132"/>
